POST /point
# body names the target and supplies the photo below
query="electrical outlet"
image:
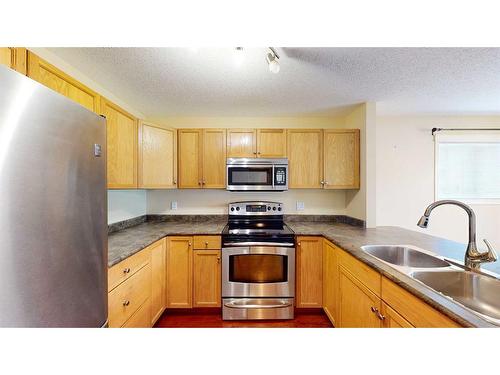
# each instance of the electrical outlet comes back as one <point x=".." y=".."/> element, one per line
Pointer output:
<point x="300" y="206"/>
<point x="173" y="205"/>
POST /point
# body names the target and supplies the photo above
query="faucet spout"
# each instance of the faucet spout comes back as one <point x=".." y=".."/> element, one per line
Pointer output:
<point x="473" y="257"/>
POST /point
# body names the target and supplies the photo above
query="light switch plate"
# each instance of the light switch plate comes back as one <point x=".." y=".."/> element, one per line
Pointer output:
<point x="173" y="205"/>
<point x="300" y="206"/>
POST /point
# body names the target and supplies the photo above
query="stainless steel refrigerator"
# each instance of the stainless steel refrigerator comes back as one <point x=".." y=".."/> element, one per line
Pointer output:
<point x="53" y="208"/>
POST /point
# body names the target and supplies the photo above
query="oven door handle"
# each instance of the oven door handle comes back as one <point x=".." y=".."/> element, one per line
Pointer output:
<point x="274" y="244"/>
<point x="232" y="305"/>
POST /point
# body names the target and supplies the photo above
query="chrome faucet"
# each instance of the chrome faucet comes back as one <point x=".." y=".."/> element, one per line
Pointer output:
<point x="473" y="257"/>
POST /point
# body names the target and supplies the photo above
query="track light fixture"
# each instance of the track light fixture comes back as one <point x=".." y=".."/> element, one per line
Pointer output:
<point x="272" y="60"/>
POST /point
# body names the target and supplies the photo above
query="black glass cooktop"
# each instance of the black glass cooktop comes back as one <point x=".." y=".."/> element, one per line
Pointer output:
<point x="261" y="231"/>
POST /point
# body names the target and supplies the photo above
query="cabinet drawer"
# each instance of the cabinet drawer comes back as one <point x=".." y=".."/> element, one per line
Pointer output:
<point x="126" y="298"/>
<point x="141" y="318"/>
<point x="207" y="242"/>
<point x="126" y="268"/>
<point x="411" y="308"/>
<point x="364" y="273"/>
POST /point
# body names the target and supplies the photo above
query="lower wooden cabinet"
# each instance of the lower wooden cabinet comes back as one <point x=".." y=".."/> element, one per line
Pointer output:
<point x="141" y="318"/>
<point x="207" y="278"/>
<point x="358" y="306"/>
<point x="158" y="279"/>
<point x="127" y="298"/>
<point x="309" y="272"/>
<point x="179" y="272"/>
<point x="391" y="319"/>
<point x="330" y="281"/>
<point x="136" y="286"/>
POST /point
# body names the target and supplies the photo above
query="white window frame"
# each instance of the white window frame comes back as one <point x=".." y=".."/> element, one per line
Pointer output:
<point x="464" y="136"/>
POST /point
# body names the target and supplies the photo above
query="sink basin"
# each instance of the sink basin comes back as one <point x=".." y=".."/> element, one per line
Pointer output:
<point x="477" y="292"/>
<point x="404" y="256"/>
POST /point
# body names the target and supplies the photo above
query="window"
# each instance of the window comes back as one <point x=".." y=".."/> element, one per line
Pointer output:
<point x="468" y="166"/>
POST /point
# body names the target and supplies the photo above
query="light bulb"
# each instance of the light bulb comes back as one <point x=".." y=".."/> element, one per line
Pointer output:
<point x="274" y="66"/>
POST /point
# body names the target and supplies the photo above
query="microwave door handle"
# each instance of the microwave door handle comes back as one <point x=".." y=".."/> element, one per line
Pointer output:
<point x="272" y="176"/>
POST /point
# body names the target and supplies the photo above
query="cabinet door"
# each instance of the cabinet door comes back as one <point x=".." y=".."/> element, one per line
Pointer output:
<point x="330" y="281"/>
<point x="157" y="157"/>
<point x="158" y="269"/>
<point x="271" y="143"/>
<point x="122" y="142"/>
<point x="207" y="278"/>
<point x="341" y="159"/>
<point x="190" y="158"/>
<point x="358" y="306"/>
<point x="179" y="272"/>
<point x="241" y="143"/>
<point x="5" y="56"/>
<point x="52" y="77"/>
<point x="305" y="162"/>
<point x="309" y="291"/>
<point x="391" y="319"/>
<point x="214" y="158"/>
<point x="15" y="58"/>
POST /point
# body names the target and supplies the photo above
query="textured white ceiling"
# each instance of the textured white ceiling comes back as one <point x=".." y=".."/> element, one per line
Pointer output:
<point x="163" y="82"/>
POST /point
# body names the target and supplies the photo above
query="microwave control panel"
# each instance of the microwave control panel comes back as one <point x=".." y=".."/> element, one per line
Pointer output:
<point x="280" y="176"/>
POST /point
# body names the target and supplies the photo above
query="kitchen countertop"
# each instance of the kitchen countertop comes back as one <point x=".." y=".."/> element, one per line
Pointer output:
<point x="127" y="242"/>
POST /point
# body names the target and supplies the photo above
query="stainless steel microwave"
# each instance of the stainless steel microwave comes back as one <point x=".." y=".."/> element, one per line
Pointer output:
<point x="247" y="174"/>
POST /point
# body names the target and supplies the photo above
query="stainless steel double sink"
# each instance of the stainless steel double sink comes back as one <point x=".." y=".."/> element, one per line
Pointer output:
<point x="477" y="292"/>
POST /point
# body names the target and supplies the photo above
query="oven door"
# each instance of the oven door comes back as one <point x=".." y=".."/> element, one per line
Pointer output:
<point x="258" y="271"/>
<point x="250" y="177"/>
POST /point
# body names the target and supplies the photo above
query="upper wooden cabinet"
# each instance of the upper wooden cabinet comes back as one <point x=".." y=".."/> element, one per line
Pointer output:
<point x="256" y="143"/>
<point x="271" y="143"/>
<point x="157" y="156"/>
<point x="305" y="158"/>
<point x="326" y="159"/>
<point x="121" y="146"/>
<point x="214" y="159"/>
<point x="15" y="58"/>
<point x="52" y="77"/>
<point x="241" y="143"/>
<point x="309" y="272"/>
<point x="202" y="158"/>
<point x="341" y="159"/>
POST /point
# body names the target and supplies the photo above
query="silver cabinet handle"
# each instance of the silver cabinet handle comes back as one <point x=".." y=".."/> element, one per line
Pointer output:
<point x="126" y="303"/>
<point x="322" y="182"/>
<point x="189" y="243"/>
<point x="126" y="270"/>
<point x="206" y="243"/>
<point x="175" y="182"/>
<point x="374" y="309"/>
<point x="218" y="260"/>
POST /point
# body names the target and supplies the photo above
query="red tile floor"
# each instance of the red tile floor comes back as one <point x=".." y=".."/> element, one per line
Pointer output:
<point x="212" y="318"/>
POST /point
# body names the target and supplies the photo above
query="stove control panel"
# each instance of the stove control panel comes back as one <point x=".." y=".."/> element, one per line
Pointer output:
<point x="255" y="208"/>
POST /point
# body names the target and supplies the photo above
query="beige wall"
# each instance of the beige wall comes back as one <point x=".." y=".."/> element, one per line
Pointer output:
<point x="361" y="203"/>
<point x="405" y="178"/>
<point x="192" y="201"/>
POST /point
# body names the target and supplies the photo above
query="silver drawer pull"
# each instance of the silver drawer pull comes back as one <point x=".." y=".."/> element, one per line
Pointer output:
<point x="232" y="305"/>
<point x="126" y="303"/>
<point x="126" y="270"/>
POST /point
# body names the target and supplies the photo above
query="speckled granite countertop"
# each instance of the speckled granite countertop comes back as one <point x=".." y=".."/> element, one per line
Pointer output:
<point x="127" y="242"/>
<point x="351" y="238"/>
